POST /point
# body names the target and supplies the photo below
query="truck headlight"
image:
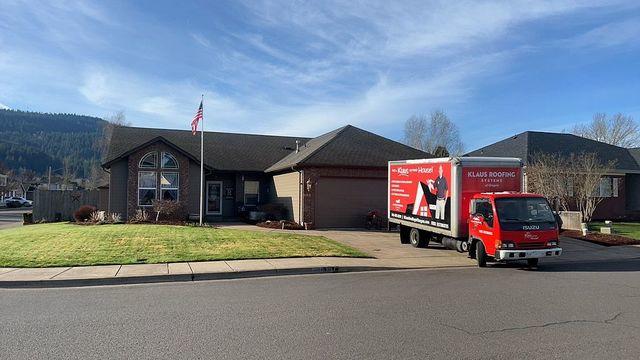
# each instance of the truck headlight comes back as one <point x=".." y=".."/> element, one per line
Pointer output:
<point x="507" y="245"/>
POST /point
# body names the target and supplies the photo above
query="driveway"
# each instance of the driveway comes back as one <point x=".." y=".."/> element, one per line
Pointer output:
<point x="386" y="246"/>
<point x="10" y="217"/>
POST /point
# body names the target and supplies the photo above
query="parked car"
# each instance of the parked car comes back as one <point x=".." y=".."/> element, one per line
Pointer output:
<point x="17" y="201"/>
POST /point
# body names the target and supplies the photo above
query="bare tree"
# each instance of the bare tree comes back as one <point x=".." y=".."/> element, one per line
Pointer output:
<point x="570" y="181"/>
<point x="620" y="130"/>
<point x="550" y="175"/>
<point x="116" y="120"/>
<point x="68" y="172"/>
<point x="415" y="131"/>
<point x="589" y="172"/>
<point x="432" y="133"/>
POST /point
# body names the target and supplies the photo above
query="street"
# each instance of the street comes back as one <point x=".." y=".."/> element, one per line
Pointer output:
<point x="562" y="311"/>
<point x="10" y="217"/>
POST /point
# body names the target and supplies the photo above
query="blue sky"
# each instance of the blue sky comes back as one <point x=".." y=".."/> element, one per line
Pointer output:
<point x="303" y="68"/>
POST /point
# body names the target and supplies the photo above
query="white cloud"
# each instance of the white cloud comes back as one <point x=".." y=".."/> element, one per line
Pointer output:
<point x="621" y="33"/>
<point x="4" y="107"/>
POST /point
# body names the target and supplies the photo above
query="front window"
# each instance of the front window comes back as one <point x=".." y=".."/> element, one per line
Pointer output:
<point x="251" y="193"/>
<point x="169" y="186"/>
<point x="149" y="161"/>
<point x="516" y="212"/>
<point x="146" y="188"/>
<point x="168" y="161"/>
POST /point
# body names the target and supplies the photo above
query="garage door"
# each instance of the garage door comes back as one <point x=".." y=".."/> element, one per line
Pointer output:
<point x="345" y="202"/>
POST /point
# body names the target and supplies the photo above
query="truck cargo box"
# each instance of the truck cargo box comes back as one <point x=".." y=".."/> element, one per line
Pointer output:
<point x="434" y="194"/>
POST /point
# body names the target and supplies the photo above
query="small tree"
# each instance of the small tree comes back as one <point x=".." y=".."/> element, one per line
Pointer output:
<point x="567" y="181"/>
<point x="588" y="172"/>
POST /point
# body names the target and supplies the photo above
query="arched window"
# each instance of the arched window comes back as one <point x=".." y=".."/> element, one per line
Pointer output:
<point x="168" y="161"/>
<point x="149" y="161"/>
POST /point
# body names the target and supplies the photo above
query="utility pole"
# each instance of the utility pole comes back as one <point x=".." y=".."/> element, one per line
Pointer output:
<point x="49" y="182"/>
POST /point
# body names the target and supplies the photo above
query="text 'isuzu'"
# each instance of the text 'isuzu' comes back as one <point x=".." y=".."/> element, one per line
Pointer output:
<point x="473" y="204"/>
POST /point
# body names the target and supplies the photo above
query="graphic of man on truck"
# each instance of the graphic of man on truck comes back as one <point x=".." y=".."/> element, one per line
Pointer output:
<point x="489" y="214"/>
<point x="442" y="193"/>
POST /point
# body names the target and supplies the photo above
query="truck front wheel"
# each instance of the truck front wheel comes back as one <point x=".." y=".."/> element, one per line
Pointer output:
<point x="481" y="254"/>
<point x="418" y="238"/>
<point x="404" y="234"/>
<point x="532" y="262"/>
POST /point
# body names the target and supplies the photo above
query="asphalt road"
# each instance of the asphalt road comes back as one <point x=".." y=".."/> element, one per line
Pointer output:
<point x="564" y="311"/>
<point x="10" y="217"/>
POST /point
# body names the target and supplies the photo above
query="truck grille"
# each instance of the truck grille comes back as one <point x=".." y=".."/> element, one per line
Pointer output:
<point x="531" y="245"/>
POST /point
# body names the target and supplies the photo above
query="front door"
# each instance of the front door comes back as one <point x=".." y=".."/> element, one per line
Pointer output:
<point x="214" y="197"/>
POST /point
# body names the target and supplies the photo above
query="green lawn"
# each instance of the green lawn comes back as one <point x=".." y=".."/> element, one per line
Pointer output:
<point x="64" y="244"/>
<point x="628" y="229"/>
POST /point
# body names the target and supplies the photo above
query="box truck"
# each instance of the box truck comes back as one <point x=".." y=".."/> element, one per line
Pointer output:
<point x="473" y="204"/>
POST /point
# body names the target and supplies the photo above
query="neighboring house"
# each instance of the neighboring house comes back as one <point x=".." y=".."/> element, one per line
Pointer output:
<point x="329" y="181"/>
<point x="620" y="188"/>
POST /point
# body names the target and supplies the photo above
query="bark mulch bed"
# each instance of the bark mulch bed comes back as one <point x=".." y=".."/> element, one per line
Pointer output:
<point x="600" y="239"/>
<point x="282" y="224"/>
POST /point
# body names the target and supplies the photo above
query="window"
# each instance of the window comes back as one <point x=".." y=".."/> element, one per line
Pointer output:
<point x="607" y="188"/>
<point x="483" y="207"/>
<point x="251" y="193"/>
<point x="168" y="161"/>
<point x="169" y="186"/>
<point x="149" y="161"/>
<point x="147" y="184"/>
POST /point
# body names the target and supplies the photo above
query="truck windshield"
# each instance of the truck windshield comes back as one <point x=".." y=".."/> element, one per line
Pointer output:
<point x="527" y="210"/>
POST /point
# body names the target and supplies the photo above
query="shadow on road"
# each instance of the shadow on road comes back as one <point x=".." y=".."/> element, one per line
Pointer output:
<point x="625" y="265"/>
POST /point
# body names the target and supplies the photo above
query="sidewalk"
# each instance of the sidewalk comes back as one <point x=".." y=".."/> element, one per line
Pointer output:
<point x="206" y="270"/>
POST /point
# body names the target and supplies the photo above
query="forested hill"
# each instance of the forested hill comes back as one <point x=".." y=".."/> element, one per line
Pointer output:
<point x="35" y="141"/>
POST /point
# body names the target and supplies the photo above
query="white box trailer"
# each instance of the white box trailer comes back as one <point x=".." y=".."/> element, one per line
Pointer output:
<point x="434" y="194"/>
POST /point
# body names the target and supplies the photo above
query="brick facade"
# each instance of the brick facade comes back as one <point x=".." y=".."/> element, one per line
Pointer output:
<point x="132" y="181"/>
<point x="310" y="183"/>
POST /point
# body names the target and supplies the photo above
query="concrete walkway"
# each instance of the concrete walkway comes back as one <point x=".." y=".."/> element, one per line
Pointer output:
<point x="191" y="271"/>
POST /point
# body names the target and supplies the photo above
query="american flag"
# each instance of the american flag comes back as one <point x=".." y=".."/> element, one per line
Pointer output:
<point x="196" y="120"/>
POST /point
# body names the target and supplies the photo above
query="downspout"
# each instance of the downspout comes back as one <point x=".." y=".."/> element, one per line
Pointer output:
<point x="300" y="195"/>
<point x="109" y="201"/>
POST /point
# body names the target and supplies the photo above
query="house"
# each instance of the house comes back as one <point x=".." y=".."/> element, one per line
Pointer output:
<point x="332" y="180"/>
<point x="620" y="188"/>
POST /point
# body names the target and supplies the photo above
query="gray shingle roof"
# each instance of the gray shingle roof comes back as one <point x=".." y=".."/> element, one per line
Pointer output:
<point x="349" y="146"/>
<point x="223" y="151"/>
<point x="525" y="145"/>
<point x="346" y="146"/>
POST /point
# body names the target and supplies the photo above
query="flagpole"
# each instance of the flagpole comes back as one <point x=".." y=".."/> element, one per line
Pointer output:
<point x="202" y="161"/>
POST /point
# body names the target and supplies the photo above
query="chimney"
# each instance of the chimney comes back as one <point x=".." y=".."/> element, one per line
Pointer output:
<point x="297" y="145"/>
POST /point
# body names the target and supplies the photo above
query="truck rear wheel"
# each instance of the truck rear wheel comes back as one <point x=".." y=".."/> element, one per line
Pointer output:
<point x="404" y="234"/>
<point x="481" y="254"/>
<point x="418" y="238"/>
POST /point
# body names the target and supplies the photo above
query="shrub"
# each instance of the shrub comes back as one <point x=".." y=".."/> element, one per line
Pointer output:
<point x="97" y="217"/>
<point x="84" y="213"/>
<point x="140" y="216"/>
<point x="169" y="210"/>
<point x="115" y="218"/>
<point x="273" y="211"/>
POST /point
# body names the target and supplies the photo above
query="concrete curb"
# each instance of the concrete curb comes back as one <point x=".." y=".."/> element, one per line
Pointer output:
<point x="53" y="283"/>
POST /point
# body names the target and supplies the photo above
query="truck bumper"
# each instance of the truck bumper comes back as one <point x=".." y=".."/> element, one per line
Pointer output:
<point x="506" y="255"/>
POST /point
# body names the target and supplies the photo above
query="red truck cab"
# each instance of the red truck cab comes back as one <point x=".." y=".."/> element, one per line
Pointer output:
<point x="507" y="226"/>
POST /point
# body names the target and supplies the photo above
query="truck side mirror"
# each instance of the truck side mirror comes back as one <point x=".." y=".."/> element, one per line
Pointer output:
<point x="559" y="221"/>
